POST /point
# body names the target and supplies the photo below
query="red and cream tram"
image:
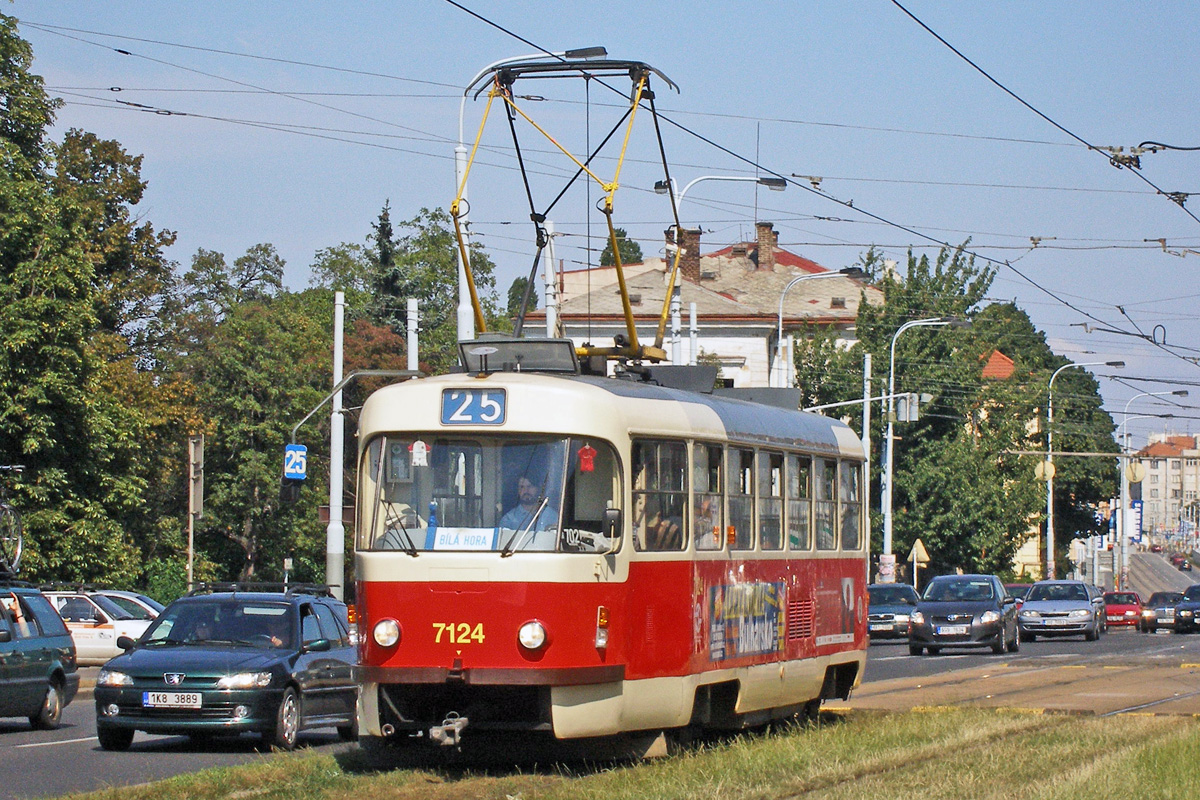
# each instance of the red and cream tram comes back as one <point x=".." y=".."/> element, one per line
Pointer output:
<point x="540" y="550"/>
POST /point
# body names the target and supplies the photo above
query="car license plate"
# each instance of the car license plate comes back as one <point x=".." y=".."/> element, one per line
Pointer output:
<point x="171" y="699"/>
<point x="1115" y="618"/>
<point x="1058" y="623"/>
<point x="879" y="627"/>
<point x="953" y="630"/>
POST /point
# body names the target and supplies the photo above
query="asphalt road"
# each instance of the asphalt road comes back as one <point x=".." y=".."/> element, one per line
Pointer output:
<point x="53" y="763"/>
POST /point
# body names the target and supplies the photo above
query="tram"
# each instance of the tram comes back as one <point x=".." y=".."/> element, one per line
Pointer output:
<point x="685" y="561"/>
<point x="577" y="542"/>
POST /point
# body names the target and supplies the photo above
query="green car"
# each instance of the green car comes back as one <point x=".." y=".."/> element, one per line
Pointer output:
<point x="38" y="676"/>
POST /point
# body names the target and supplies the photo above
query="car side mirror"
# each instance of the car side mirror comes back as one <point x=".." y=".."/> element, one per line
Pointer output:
<point x="5" y="636"/>
<point x="318" y="646"/>
<point x="125" y="643"/>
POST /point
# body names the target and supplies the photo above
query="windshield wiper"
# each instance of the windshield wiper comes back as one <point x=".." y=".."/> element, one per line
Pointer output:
<point x="398" y="517"/>
<point x="519" y="537"/>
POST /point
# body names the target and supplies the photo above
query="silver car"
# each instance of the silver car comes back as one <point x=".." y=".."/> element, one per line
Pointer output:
<point x="1062" y="608"/>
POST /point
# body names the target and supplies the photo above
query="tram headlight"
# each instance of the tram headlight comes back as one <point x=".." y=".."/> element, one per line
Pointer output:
<point x="532" y="635"/>
<point x="386" y="632"/>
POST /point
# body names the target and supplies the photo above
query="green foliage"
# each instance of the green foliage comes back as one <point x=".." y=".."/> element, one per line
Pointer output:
<point x="630" y="250"/>
<point x="516" y="294"/>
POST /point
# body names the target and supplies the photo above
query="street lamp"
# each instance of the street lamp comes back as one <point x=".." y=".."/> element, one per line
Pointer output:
<point x="663" y="187"/>
<point x="848" y="272"/>
<point x="1123" y="466"/>
<point x="1049" y="470"/>
<point x="891" y="415"/>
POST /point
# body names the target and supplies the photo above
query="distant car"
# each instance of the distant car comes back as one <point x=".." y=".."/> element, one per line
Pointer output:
<point x="1018" y="590"/>
<point x="1062" y="608"/>
<point x="223" y="663"/>
<point x="95" y="623"/>
<point x="888" y="608"/>
<point x="1160" y="611"/>
<point x="964" y="611"/>
<point x="1123" y="609"/>
<point x="135" y="603"/>
<point x="1156" y="548"/>
<point x="38" y="675"/>
<point x="1181" y="562"/>
<point x="1187" y="613"/>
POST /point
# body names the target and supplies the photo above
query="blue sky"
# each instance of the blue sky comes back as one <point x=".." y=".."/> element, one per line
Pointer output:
<point x="318" y="113"/>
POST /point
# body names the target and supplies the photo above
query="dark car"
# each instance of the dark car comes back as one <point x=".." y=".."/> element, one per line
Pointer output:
<point x="1181" y="562"/>
<point x="1187" y="611"/>
<point x="1018" y="590"/>
<point x="964" y="611"/>
<point x="888" y="608"/>
<point x="1063" y="608"/>
<point x="1160" y="611"/>
<point x="227" y="662"/>
<point x="38" y="676"/>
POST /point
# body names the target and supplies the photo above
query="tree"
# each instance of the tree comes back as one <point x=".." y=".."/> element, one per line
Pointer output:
<point x="516" y="294"/>
<point x="426" y="268"/>
<point x="630" y="250"/>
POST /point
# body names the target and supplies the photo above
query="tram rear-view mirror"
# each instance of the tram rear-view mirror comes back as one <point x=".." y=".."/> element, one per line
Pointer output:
<point x="612" y="524"/>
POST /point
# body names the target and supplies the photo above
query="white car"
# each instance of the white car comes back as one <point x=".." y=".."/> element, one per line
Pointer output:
<point x="95" y="623"/>
<point x="138" y="605"/>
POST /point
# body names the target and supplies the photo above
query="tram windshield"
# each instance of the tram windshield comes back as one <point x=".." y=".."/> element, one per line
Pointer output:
<point x="488" y="492"/>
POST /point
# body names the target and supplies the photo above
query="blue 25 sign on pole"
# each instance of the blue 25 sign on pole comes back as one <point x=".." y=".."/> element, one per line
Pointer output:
<point x="295" y="462"/>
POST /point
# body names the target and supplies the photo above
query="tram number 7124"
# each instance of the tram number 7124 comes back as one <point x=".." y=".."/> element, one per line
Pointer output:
<point x="458" y="632"/>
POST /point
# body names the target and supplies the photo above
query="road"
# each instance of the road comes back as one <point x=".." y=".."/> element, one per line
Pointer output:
<point x="1151" y="572"/>
<point x="53" y="763"/>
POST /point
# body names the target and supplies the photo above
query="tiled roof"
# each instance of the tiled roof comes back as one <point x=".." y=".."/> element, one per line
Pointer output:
<point x="998" y="366"/>
<point x="732" y="287"/>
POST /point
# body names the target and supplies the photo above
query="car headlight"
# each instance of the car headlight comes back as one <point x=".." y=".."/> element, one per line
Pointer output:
<point x="532" y="635"/>
<point x="111" y="677"/>
<point x="245" y="680"/>
<point x="387" y="632"/>
<point x="1185" y="612"/>
<point x="1031" y="614"/>
<point x="901" y="618"/>
<point x="1148" y="613"/>
<point x="917" y="618"/>
<point x="1080" y="613"/>
<point x="988" y="617"/>
<point x="1131" y="613"/>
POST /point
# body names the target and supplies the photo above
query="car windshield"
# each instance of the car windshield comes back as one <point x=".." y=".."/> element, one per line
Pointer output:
<point x="1192" y="593"/>
<point x="236" y="622"/>
<point x="892" y="595"/>
<point x="960" y="589"/>
<point x="1121" y="599"/>
<point x="1057" y="591"/>
<point x="487" y="492"/>
<point x="1165" y="598"/>
<point x="111" y="608"/>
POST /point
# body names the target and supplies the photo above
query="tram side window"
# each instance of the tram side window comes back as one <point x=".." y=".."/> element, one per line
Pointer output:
<point x="825" y="502"/>
<point x="799" y="493"/>
<point x="660" y="491"/>
<point x="593" y="485"/>
<point x="770" y="500"/>
<point x="851" y="504"/>
<point x="741" y="499"/>
<point x="707" y="508"/>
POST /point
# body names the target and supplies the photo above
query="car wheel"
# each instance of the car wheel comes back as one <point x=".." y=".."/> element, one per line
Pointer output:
<point x="1151" y="629"/>
<point x="1015" y="645"/>
<point x="1001" y="645"/>
<point x="1091" y="634"/>
<point x="915" y="649"/>
<point x="287" y="722"/>
<point x="50" y="714"/>
<point x="117" y="739"/>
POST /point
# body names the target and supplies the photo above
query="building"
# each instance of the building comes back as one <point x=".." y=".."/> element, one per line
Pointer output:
<point x="1170" y="488"/>
<point x="736" y="292"/>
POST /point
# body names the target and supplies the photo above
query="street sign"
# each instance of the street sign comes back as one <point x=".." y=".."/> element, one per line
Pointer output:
<point x="295" y="462"/>
<point x="919" y="554"/>
<point x="1136" y="472"/>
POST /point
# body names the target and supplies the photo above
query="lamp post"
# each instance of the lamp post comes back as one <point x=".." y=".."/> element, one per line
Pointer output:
<point x="1123" y="465"/>
<point x="891" y="415"/>
<point x="786" y="379"/>
<point x="1049" y="469"/>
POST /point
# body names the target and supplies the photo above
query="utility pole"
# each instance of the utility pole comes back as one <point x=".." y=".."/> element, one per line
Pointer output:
<point x="195" y="499"/>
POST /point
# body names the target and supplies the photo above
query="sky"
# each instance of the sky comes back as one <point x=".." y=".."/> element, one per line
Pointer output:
<point x="294" y="122"/>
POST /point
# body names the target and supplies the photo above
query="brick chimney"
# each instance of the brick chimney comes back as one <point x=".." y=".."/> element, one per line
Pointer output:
<point x="767" y="239"/>
<point x="689" y="262"/>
